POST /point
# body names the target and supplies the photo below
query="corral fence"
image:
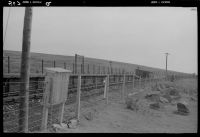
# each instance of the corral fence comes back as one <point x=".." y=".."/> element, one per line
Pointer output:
<point x="12" y="65"/>
<point x="91" y="86"/>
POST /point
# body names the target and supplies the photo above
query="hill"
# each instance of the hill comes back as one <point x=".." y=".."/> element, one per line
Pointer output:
<point x="91" y="65"/>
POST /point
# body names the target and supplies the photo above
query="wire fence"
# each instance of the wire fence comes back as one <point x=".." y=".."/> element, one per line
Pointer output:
<point x="12" y="109"/>
<point x="91" y="87"/>
<point x="12" y="65"/>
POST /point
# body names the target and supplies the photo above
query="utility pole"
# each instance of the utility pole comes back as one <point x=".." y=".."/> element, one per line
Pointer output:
<point x="166" y="62"/>
<point x="25" y="71"/>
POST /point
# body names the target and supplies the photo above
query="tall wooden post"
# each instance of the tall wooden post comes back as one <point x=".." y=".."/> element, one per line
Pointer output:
<point x="78" y="97"/>
<point x="25" y="71"/>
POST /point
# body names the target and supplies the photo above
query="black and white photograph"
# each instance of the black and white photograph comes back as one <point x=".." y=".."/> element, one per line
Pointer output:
<point x="97" y="69"/>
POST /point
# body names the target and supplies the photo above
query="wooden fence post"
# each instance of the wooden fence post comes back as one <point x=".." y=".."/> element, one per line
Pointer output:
<point x="54" y="63"/>
<point x="83" y="64"/>
<point x="73" y="68"/>
<point x="133" y="81"/>
<point x="123" y="88"/>
<point x="42" y="66"/>
<point x="140" y="86"/>
<point x="88" y="68"/>
<point x="8" y="64"/>
<point x="96" y="83"/>
<point x="75" y="64"/>
<point x="93" y="69"/>
<point x="99" y="69"/>
<point x="65" y="65"/>
<point x="78" y="97"/>
<point x="81" y="68"/>
<point x="107" y="88"/>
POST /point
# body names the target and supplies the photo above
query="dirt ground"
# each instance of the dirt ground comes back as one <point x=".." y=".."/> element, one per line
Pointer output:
<point x="97" y="117"/>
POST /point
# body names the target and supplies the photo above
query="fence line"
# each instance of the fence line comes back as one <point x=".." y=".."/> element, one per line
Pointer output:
<point x="39" y="65"/>
<point x="88" y="88"/>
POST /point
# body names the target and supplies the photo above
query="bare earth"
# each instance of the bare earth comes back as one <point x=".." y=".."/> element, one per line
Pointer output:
<point x="115" y="117"/>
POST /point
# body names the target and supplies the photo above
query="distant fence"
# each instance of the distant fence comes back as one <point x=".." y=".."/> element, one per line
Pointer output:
<point x="91" y="85"/>
<point x="12" y="65"/>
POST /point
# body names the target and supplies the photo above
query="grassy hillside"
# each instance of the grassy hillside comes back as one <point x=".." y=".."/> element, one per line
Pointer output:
<point x="61" y="61"/>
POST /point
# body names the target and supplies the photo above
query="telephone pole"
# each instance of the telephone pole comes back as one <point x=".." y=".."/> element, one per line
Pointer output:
<point x="166" y="62"/>
<point x="25" y="72"/>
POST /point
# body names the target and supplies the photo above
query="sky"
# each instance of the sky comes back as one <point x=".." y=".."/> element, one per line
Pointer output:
<point x="137" y="35"/>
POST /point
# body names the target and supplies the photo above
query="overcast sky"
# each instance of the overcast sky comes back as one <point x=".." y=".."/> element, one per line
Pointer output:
<point x="138" y="35"/>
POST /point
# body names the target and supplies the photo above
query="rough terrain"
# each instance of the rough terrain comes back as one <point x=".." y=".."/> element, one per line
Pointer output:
<point x="115" y="117"/>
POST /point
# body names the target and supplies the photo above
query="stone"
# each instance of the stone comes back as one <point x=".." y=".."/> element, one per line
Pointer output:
<point x="174" y="92"/>
<point x="153" y="97"/>
<point x="131" y="103"/>
<point x="182" y="108"/>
